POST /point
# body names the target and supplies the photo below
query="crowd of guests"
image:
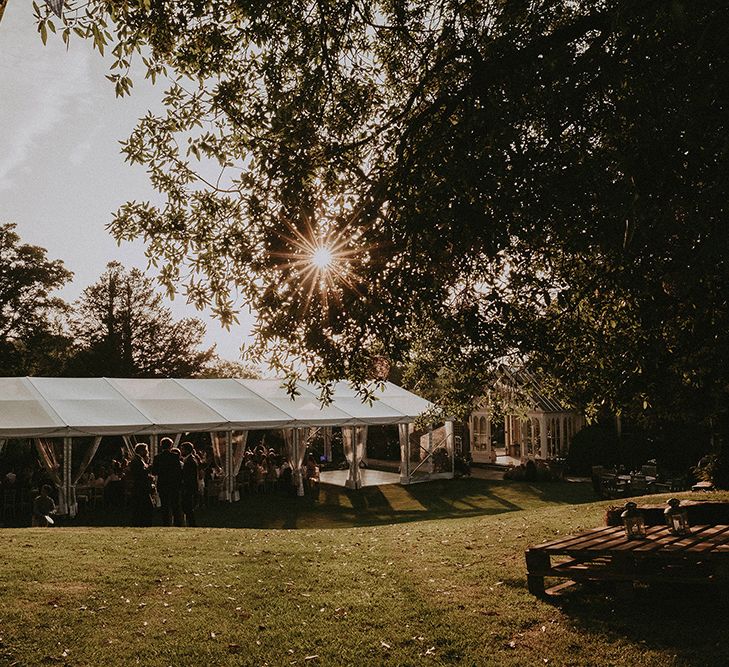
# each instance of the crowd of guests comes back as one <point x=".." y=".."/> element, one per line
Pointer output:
<point x="175" y="473"/>
<point x="266" y="471"/>
<point x="177" y="481"/>
<point x="20" y="488"/>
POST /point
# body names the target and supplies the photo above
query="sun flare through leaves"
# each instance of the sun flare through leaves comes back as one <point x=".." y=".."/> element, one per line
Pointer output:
<point x="322" y="261"/>
<point x="322" y="258"/>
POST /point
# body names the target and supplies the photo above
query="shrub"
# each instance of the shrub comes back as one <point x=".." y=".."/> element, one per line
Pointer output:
<point x="592" y="446"/>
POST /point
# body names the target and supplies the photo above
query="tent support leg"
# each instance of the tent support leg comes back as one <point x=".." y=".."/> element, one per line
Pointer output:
<point x="229" y="481"/>
<point x="404" y="433"/>
<point x="68" y="495"/>
<point x="298" y="444"/>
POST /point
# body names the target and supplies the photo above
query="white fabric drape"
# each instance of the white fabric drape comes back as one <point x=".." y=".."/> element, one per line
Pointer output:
<point x="404" y="431"/>
<point x="449" y="445"/>
<point x="2" y="445"/>
<point x="129" y="445"/>
<point x="50" y="453"/>
<point x="69" y="490"/>
<point x="240" y="440"/>
<point x="291" y="441"/>
<point x="354" y="439"/>
<point x="296" y="440"/>
<point x="86" y="460"/>
<point x="228" y="452"/>
<point x="348" y="445"/>
<point x="221" y="459"/>
<point x="218" y="442"/>
<point x="327" y="435"/>
<point x="301" y="441"/>
<point x="55" y="457"/>
<point x="72" y="477"/>
<point x="360" y="433"/>
<point x="305" y="436"/>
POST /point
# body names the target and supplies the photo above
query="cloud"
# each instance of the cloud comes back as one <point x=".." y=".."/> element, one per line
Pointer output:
<point x="41" y="88"/>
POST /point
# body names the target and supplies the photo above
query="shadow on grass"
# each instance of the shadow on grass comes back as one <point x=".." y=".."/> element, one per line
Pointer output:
<point x="689" y="621"/>
<point x="337" y="507"/>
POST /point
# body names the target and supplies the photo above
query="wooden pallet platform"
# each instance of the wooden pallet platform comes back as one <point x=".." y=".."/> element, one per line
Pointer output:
<point x="605" y="554"/>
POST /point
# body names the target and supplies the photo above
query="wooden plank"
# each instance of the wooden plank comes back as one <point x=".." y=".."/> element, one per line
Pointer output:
<point x="605" y="554"/>
<point x="662" y="539"/>
<point x="682" y="575"/>
<point x="581" y="566"/>
<point x="559" y="589"/>
<point x="658" y="540"/>
<point x="599" y="546"/>
<point x="570" y="539"/>
<point x="719" y="536"/>
<point x="536" y="561"/>
<point x="702" y="538"/>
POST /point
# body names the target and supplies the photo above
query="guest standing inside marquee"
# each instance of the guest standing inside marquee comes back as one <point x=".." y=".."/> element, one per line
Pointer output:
<point x="142" y="508"/>
<point x="168" y="468"/>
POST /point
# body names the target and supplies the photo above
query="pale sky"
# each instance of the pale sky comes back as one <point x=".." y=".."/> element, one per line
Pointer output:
<point x="61" y="173"/>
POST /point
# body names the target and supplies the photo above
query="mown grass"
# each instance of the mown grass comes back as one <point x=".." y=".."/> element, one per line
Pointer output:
<point x="336" y="507"/>
<point x="435" y="592"/>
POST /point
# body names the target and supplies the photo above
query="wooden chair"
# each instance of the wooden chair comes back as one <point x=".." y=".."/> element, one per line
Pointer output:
<point x="638" y="485"/>
<point x="679" y="484"/>
<point x="612" y="487"/>
<point x="97" y="497"/>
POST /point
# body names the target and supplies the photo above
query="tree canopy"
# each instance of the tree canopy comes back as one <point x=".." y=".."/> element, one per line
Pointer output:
<point x="122" y="329"/>
<point x="541" y="178"/>
<point x="31" y="338"/>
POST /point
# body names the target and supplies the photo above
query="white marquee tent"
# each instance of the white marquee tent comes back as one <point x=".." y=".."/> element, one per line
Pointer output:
<point x="45" y="408"/>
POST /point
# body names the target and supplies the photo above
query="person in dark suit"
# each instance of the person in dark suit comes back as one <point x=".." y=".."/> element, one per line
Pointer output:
<point x="141" y="498"/>
<point x="168" y="469"/>
<point x="189" y="483"/>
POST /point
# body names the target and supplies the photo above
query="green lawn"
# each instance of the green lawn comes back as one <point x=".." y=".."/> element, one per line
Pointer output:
<point x="450" y="591"/>
<point x="336" y="507"/>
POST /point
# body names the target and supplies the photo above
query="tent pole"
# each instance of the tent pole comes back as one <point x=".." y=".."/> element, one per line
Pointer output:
<point x="299" y="456"/>
<point x="328" y="443"/>
<point x="430" y="450"/>
<point x="153" y="446"/>
<point x="450" y="446"/>
<point x="69" y="500"/>
<point x="229" y="481"/>
<point x="404" y="436"/>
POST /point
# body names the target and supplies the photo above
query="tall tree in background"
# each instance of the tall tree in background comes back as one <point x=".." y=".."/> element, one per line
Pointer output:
<point x="542" y="177"/>
<point x="219" y="368"/>
<point x="122" y="329"/>
<point x="31" y="339"/>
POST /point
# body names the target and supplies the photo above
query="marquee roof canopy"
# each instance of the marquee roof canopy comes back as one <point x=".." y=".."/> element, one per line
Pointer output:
<point x="57" y="407"/>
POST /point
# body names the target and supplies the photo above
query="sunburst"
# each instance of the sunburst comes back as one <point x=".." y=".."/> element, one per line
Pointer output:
<point x="322" y="260"/>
